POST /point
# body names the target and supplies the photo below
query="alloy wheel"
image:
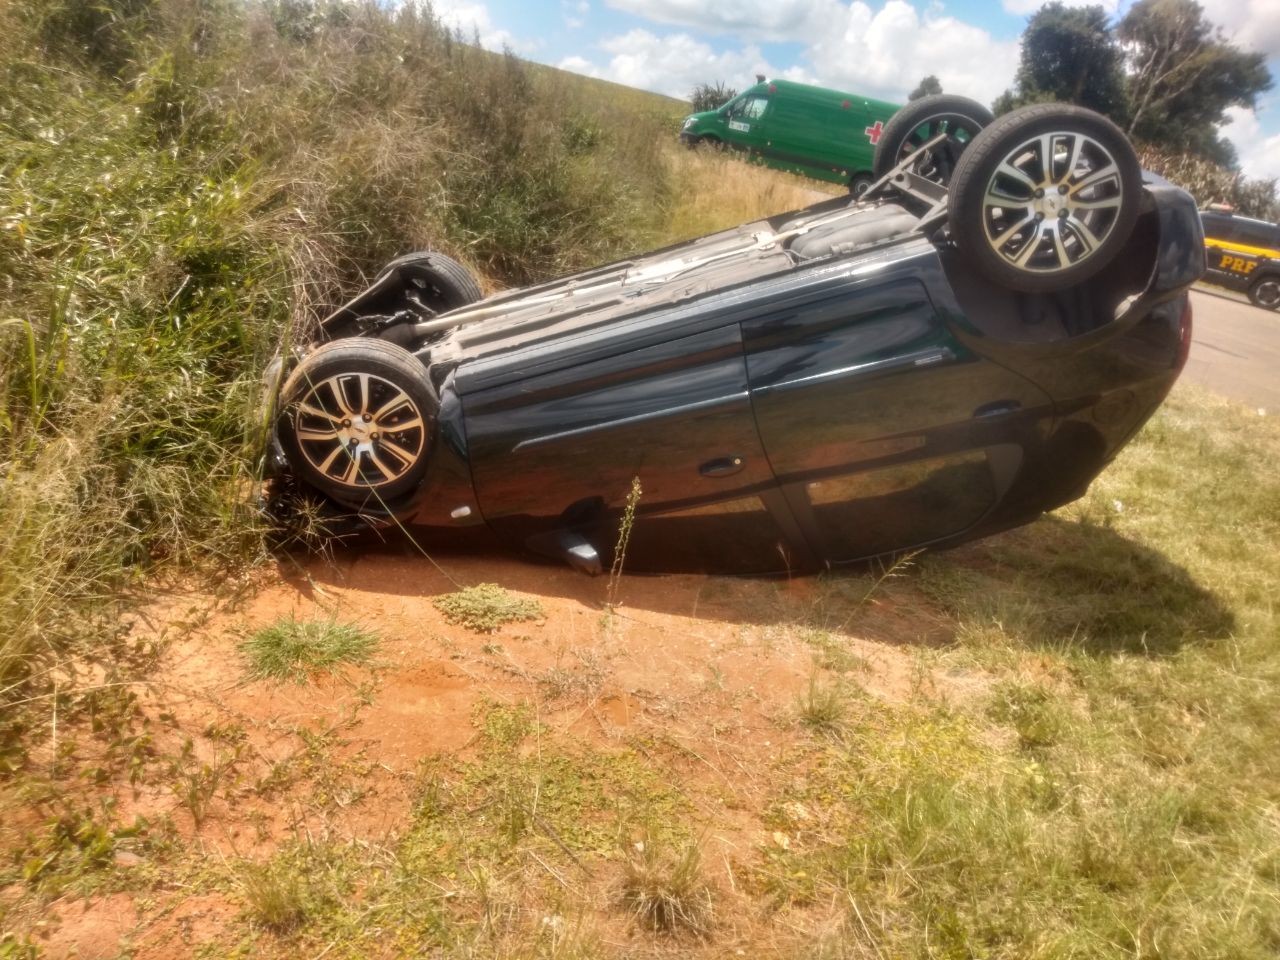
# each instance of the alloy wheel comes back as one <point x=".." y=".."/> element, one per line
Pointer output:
<point x="937" y="165"/>
<point x="1052" y="202"/>
<point x="359" y="430"/>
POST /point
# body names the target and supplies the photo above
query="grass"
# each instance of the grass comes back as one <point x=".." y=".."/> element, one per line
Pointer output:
<point x="297" y="650"/>
<point x="1114" y="793"/>
<point x="663" y="887"/>
<point x="485" y="607"/>
<point x="276" y="895"/>
<point x="822" y="706"/>
<point x="719" y="191"/>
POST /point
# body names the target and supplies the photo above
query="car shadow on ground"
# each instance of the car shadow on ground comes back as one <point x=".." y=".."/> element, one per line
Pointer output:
<point x="1064" y="582"/>
<point x="1052" y="584"/>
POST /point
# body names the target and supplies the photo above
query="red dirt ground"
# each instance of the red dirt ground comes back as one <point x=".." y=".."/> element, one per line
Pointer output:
<point x="714" y="664"/>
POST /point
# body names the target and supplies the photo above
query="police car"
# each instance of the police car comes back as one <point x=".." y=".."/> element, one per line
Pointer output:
<point x="1243" y="254"/>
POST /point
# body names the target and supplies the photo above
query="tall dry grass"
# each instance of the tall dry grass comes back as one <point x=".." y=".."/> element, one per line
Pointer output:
<point x="186" y="183"/>
<point x="720" y="190"/>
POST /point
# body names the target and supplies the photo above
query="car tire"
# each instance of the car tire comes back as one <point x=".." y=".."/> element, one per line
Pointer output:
<point x="859" y="183"/>
<point x="1265" y="292"/>
<point x="1035" y="223"/>
<point x="921" y="120"/>
<point x="365" y="395"/>
<point x="441" y="282"/>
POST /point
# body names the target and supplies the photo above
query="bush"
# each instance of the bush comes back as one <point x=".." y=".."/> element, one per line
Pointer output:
<point x="183" y="185"/>
<point x="707" y="96"/>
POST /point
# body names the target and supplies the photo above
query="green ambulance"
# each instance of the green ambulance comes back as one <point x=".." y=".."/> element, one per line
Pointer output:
<point x="820" y="133"/>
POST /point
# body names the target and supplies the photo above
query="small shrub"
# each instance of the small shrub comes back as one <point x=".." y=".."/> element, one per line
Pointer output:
<point x="663" y="887"/>
<point x="291" y="649"/>
<point x="485" y="607"/>
<point x="195" y="782"/>
<point x="822" y="707"/>
<point x="276" y="896"/>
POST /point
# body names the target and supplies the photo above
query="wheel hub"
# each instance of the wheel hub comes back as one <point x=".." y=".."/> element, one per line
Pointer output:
<point x="359" y="430"/>
<point x="1052" y="202"/>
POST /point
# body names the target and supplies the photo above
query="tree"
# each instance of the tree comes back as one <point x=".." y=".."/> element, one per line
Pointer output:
<point x="708" y="97"/>
<point x="1183" y="75"/>
<point x="1069" y="54"/>
<point x="929" y="86"/>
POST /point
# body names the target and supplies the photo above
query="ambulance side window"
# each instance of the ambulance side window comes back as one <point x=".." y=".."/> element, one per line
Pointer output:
<point x="749" y="108"/>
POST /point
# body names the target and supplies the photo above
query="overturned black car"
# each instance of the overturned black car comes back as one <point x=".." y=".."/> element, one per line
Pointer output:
<point x="957" y="351"/>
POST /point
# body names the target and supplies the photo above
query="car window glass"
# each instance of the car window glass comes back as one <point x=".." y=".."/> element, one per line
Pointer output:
<point x="754" y="108"/>
<point x="1215" y="227"/>
<point x="1258" y="234"/>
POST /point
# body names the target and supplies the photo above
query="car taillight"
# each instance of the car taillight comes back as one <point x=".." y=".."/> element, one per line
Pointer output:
<point x="1184" y="333"/>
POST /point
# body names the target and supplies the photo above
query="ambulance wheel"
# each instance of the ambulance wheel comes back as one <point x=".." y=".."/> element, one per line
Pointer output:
<point x="859" y="183"/>
<point x="1044" y="197"/>
<point x="919" y="122"/>
<point x="1265" y="292"/>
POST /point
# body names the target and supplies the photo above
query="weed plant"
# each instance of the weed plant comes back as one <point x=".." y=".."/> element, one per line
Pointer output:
<point x="485" y="607"/>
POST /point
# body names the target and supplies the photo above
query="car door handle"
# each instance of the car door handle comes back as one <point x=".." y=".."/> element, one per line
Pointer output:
<point x="722" y="466"/>
<point x="996" y="409"/>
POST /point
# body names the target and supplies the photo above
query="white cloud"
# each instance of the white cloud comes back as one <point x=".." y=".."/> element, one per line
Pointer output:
<point x="1028" y="7"/>
<point x="1259" y="154"/>
<point x="754" y="19"/>
<point x="877" y="52"/>
<point x="672" y="64"/>
<point x="474" y="19"/>
<point x="886" y="52"/>
<point x="581" y="65"/>
<point x="575" y="14"/>
<point x="1253" y="24"/>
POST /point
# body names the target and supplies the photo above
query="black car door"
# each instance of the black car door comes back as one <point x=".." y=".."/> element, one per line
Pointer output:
<point x="883" y="430"/>
<point x="558" y="450"/>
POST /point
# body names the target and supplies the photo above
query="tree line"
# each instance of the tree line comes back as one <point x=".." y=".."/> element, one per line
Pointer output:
<point x="1163" y="72"/>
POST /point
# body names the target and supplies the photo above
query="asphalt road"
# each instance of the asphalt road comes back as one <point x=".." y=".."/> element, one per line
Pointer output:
<point x="1235" y="348"/>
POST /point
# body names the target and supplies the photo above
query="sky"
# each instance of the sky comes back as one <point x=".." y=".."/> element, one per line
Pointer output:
<point x="878" y="49"/>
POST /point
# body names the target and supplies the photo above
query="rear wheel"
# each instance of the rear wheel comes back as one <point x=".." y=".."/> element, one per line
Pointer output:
<point x="859" y="183"/>
<point x="440" y="282"/>
<point x="1045" y="197"/>
<point x="1265" y="292"/>
<point x="920" y="121"/>
<point x="355" y="420"/>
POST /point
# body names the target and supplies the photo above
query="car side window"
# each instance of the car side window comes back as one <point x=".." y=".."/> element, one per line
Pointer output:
<point x="749" y="108"/>
<point x="1215" y="227"/>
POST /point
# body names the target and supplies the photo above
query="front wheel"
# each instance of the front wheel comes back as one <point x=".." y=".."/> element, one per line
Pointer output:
<point x="1045" y="197"/>
<point x="1265" y="292"/>
<point x="355" y="421"/>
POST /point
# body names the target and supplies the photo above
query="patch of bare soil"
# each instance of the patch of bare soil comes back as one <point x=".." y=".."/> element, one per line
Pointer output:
<point x="710" y="669"/>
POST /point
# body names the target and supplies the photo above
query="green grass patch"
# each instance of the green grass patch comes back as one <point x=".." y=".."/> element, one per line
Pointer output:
<point x="492" y="856"/>
<point x="485" y="607"/>
<point x="1113" y="793"/>
<point x="296" y="650"/>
